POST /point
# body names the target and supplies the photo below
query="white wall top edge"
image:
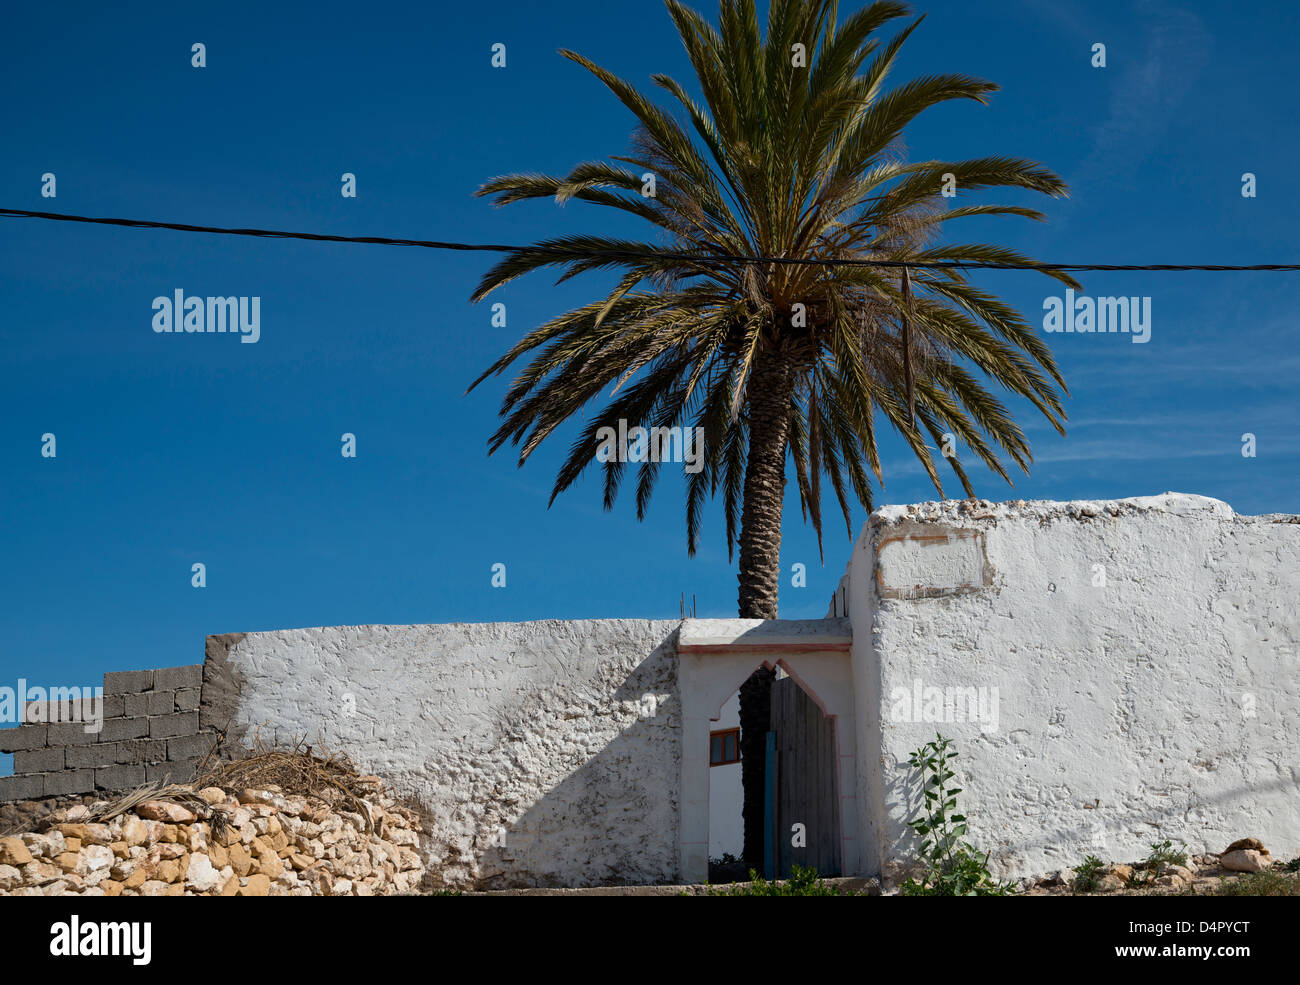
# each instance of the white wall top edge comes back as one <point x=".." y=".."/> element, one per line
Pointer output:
<point x="569" y="626"/>
<point x="982" y="509"/>
<point x="764" y="633"/>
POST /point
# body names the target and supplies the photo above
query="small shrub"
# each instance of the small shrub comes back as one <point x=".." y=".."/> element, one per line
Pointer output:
<point x="1293" y="865"/>
<point x="802" y="882"/>
<point x="1087" y="875"/>
<point x="727" y="869"/>
<point x="1264" y="883"/>
<point x="1162" y="858"/>
<point x="953" y="866"/>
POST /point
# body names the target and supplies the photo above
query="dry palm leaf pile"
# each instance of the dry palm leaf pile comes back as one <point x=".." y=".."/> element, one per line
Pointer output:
<point x="296" y="770"/>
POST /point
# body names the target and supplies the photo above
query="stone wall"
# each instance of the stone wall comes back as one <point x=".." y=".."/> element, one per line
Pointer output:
<point x="150" y="731"/>
<point x="541" y="753"/>
<point x="1144" y="656"/>
<point x="257" y="842"/>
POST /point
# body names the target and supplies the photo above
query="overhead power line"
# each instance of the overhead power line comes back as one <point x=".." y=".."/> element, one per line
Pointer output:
<point x="431" y="244"/>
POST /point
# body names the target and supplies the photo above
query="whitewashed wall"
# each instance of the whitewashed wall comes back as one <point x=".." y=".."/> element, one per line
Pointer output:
<point x="1135" y="662"/>
<point x="726" y="794"/>
<point x="562" y="736"/>
<point x="1146" y="664"/>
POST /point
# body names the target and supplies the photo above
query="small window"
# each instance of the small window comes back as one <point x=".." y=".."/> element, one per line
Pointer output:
<point x="724" y="747"/>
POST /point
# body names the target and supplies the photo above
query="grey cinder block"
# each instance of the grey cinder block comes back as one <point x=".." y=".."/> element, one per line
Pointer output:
<point x="70" y="710"/>
<point x="171" y="678"/>
<point x="166" y="726"/>
<point x="119" y="777"/>
<point x="99" y="754"/>
<point x="188" y="747"/>
<point x="127" y="681"/>
<point x="69" y="781"/>
<point x="180" y="772"/>
<point x="39" y="760"/>
<point x="187" y="699"/>
<point x="141" y="751"/>
<point x="116" y="729"/>
<point x="161" y="702"/>
<point x="47" y="711"/>
<point x="72" y="734"/>
<point x="22" y="787"/>
<point x="24" y="737"/>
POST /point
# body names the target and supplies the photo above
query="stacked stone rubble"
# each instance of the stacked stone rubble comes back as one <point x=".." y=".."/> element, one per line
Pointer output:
<point x="274" y="844"/>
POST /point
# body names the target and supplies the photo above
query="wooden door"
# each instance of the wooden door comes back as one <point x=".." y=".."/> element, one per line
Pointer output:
<point x="806" y="787"/>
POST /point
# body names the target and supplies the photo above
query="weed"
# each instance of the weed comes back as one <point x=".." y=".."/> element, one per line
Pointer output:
<point x="1087" y="875"/>
<point x="953" y="866"/>
<point x="1163" y="857"/>
<point x="802" y="882"/>
<point x="1266" y="883"/>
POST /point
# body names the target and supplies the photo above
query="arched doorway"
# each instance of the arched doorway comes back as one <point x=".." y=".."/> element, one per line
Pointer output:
<point x="819" y="771"/>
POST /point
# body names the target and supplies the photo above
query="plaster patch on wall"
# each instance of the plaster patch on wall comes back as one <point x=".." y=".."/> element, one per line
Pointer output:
<point x="931" y="560"/>
<point x="222" y="684"/>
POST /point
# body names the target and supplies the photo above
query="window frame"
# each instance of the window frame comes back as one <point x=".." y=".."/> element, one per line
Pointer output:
<point x="723" y="733"/>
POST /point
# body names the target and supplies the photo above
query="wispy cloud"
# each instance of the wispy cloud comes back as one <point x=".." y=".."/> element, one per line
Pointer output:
<point x="1129" y="451"/>
<point x="1065" y="13"/>
<point x="1262" y="366"/>
<point x="1152" y="76"/>
<point x="1151" y="439"/>
<point x="1201" y="421"/>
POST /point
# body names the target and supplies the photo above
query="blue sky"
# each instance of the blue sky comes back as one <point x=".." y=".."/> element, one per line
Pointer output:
<point x="181" y="449"/>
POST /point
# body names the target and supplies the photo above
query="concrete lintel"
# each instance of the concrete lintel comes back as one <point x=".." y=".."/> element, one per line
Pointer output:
<point x="761" y="635"/>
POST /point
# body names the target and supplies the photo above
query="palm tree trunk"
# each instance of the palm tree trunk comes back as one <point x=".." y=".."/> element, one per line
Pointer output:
<point x="769" y="390"/>
<point x="770" y="383"/>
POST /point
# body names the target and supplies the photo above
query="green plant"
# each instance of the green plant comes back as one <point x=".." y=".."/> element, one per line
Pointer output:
<point x="953" y="866"/>
<point x="1293" y="865"/>
<point x="1163" y="855"/>
<point x="1264" y="883"/>
<point x="1162" y="858"/>
<point x="802" y="882"/>
<point x="1087" y="874"/>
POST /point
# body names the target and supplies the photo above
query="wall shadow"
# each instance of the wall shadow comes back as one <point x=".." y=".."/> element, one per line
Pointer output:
<point x="611" y="770"/>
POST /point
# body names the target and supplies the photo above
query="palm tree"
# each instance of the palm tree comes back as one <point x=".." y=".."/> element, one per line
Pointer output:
<point x="796" y="155"/>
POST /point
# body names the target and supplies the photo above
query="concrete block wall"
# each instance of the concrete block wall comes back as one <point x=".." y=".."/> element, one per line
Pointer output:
<point x="151" y="731"/>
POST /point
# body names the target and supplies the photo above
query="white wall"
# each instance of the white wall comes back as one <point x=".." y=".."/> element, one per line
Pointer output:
<point x="726" y="794"/>
<point x="564" y="734"/>
<point x="1162" y="703"/>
